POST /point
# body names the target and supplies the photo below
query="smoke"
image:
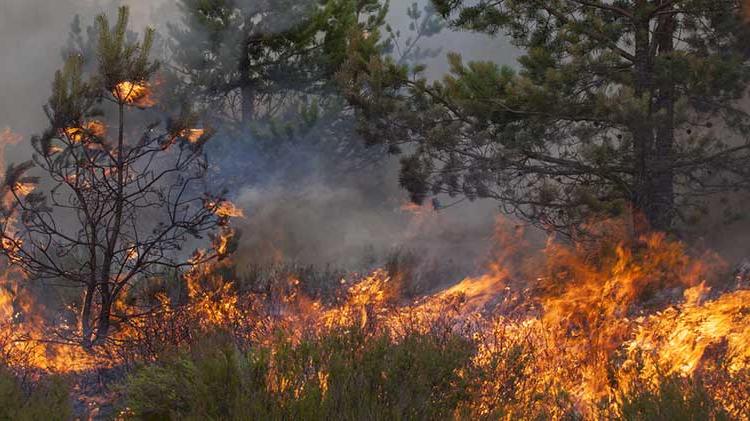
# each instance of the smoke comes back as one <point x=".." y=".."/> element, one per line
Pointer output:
<point x="325" y="213"/>
<point x="345" y="224"/>
<point x="32" y="36"/>
<point x="472" y="46"/>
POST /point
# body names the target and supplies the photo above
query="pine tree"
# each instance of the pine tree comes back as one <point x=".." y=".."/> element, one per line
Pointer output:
<point x="254" y="60"/>
<point x="627" y="106"/>
<point x="114" y="205"/>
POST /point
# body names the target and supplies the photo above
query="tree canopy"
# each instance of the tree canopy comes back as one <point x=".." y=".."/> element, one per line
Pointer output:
<point x="251" y="61"/>
<point x="627" y="106"/>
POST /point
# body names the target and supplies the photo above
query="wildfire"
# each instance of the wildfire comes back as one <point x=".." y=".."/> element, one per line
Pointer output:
<point x="134" y="93"/>
<point x="90" y="129"/>
<point x="582" y="321"/>
<point x="192" y="135"/>
<point x="684" y="338"/>
<point x="225" y="209"/>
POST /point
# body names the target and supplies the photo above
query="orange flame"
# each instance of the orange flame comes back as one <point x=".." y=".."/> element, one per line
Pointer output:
<point x="7" y="137"/>
<point x="192" y="135"/>
<point x="134" y="93"/>
<point x="225" y="209"/>
<point x="90" y="129"/>
<point x="583" y="315"/>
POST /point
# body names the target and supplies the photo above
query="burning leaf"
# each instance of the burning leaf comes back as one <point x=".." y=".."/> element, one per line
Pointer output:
<point x="7" y="137"/>
<point x="11" y="247"/>
<point x="132" y="254"/>
<point x="225" y="209"/>
<point x="24" y="189"/>
<point x="222" y="242"/>
<point x="93" y="128"/>
<point x="134" y="93"/>
<point x="192" y="135"/>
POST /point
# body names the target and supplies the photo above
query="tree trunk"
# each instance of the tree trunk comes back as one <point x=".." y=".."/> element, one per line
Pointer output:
<point x="102" y="329"/>
<point x="653" y="137"/>
<point x="641" y="129"/>
<point x="106" y="270"/>
<point x="662" y="206"/>
<point x="248" y="103"/>
<point x="247" y="90"/>
<point x="86" y="325"/>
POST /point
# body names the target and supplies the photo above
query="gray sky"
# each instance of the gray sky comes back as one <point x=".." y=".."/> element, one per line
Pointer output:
<point x="32" y="32"/>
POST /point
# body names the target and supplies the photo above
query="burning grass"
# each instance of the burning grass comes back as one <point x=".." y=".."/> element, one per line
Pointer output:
<point x="618" y="330"/>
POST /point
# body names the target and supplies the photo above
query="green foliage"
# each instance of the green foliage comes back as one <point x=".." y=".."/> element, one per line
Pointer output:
<point x="423" y="23"/>
<point x="674" y="398"/>
<point x="260" y="62"/>
<point x="352" y="375"/>
<point x="45" y="400"/>
<point x="344" y="376"/>
<point x="266" y="72"/>
<point x="119" y="58"/>
<point x="603" y="111"/>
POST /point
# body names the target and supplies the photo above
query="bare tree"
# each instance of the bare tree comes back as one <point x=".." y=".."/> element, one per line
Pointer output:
<point x="111" y="208"/>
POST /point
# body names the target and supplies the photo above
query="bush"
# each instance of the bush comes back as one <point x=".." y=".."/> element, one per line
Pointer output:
<point x="673" y="398"/>
<point x="44" y="400"/>
<point x="220" y="384"/>
<point x="341" y="376"/>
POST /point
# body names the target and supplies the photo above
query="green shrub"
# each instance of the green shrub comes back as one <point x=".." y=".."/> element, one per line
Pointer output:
<point x="341" y="376"/>
<point x="673" y="398"/>
<point x="214" y="385"/>
<point x="44" y="400"/>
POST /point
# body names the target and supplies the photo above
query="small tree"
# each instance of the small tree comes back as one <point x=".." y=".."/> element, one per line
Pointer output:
<point x="616" y="104"/>
<point x="112" y="208"/>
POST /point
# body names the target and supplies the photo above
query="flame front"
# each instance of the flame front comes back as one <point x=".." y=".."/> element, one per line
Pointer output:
<point x="587" y="324"/>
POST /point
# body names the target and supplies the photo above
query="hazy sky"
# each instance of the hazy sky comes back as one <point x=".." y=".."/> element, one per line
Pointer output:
<point x="32" y="33"/>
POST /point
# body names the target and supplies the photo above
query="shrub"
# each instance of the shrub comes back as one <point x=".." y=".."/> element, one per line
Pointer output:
<point x="344" y="375"/>
<point x="672" y="398"/>
<point x="43" y="400"/>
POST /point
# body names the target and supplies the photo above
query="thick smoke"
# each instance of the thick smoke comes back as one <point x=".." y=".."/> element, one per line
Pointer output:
<point x="352" y="219"/>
